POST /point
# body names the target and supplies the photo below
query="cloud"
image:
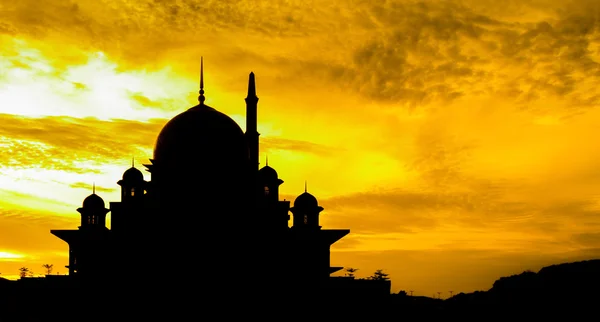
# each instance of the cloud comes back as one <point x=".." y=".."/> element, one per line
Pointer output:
<point x="421" y="54"/>
<point x="63" y="143"/>
<point x="6" y="28"/>
<point x="410" y="52"/>
<point x="134" y="28"/>
<point x="29" y="231"/>
<point x="492" y="208"/>
<point x="86" y="186"/>
<point x="410" y="211"/>
<point x="405" y="52"/>
<point x="440" y="157"/>
<point x="145" y="101"/>
<point x="277" y="143"/>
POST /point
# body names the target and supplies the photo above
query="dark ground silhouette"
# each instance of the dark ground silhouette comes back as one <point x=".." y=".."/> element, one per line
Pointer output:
<point x="558" y="289"/>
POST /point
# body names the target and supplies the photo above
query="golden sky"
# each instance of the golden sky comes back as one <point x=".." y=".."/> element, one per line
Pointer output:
<point x="456" y="139"/>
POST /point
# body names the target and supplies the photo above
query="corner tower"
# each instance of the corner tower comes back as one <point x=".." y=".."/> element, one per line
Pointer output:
<point x="306" y="211"/>
<point x="274" y="213"/>
<point x="88" y="245"/>
<point x="311" y="246"/>
<point x="132" y="185"/>
<point x="93" y="212"/>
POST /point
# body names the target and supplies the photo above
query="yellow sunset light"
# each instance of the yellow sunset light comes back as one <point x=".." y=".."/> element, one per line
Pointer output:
<point x="7" y="256"/>
<point x="445" y="137"/>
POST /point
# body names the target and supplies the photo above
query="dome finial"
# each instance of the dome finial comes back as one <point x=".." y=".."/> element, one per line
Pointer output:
<point x="201" y="98"/>
<point x="133" y="162"/>
<point x="267" y="161"/>
<point x="305" y="190"/>
<point x="94" y="188"/>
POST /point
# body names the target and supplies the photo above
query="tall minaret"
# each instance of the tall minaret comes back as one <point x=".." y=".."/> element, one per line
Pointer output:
<point x="251" y="121"/>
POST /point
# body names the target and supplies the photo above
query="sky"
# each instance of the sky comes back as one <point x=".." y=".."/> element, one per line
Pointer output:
<point x="456" y="139"/>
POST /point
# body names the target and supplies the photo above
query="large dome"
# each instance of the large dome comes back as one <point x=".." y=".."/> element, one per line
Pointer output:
<point x="201" y="135"/>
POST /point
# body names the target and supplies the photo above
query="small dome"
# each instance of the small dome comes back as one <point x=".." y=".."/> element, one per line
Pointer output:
<point x="267" y="174"/>
<point x="93" y="201"/>
<point x="133" y="175"/>
<point x="306" y="201"/>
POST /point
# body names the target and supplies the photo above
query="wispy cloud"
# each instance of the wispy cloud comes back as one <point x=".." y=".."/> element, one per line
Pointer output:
<point x="86" y="186"/>
<point x="275" y="143"/>
<point x="64" y="142"/>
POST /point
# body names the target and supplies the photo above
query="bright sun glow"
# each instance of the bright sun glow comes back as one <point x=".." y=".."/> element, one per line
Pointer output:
<point x="10" y="256"/>
<point x="32" y="86"/>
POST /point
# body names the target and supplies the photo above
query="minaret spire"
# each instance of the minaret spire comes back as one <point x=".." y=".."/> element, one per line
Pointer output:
<point x="133" y="162"/>
<point x="94" y="188"/>
<point x="252" y="120"/>
<point x="267" y="160"/>
<point x="252" y="87"/>
<point x="305" y="189"/>
<point x="201" y="98"/>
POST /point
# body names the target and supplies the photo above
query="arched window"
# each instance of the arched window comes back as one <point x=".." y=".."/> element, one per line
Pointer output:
<point x="305" y="219"/>
<point x="266" y="191"/>
<point x="132" y="192"/>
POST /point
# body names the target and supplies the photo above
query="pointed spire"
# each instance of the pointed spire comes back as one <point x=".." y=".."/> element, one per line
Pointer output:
<point x="251" y="86"/>
<point x="305" y="189"/>
<point x="133" y="162"/>
<point x="94" y="188"/>
<point x="267" y="160"/>
<point x="251" y="98"/>
<point x="201" y="98"/>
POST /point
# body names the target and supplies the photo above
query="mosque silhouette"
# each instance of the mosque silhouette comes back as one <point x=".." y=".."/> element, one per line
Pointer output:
<point x="209" y="212"/>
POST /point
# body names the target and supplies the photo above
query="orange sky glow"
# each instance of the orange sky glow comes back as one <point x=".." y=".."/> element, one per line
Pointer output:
<point x="456" y="139"/>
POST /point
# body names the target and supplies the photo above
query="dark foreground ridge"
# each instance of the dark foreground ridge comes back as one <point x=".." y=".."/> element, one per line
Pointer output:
<point x="558" y="289"/>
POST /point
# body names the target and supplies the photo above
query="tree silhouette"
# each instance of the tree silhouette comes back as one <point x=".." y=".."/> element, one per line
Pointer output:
<point x="350" y="271"/>
<point x="48" y="268"/>
<point x="379" y="275"/>
<point x="402" y="293"/>
<point x="24" y="271"/>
